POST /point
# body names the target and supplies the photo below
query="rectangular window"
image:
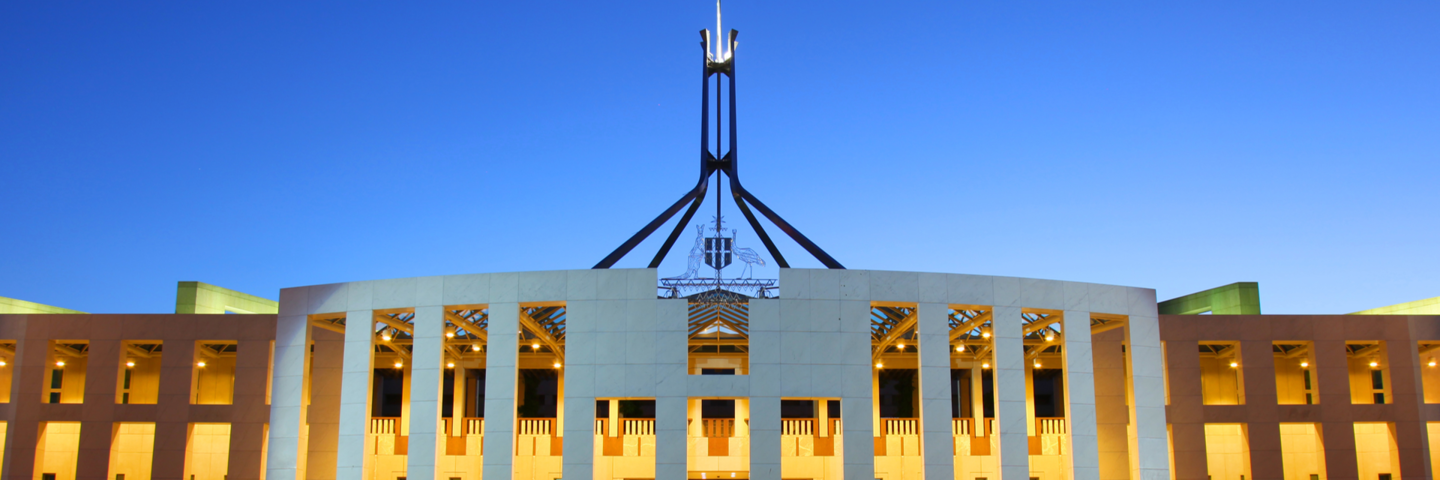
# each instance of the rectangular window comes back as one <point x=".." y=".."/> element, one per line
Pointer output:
<point x="1369" y="372"/>
<point x="1221" y="374"/>
<point x="65" y="366"/>
<point x="139" y="376"/>
<point x="213" y="377"/>
<point x="719" y="339"/>
<point x="1294" y="382"/>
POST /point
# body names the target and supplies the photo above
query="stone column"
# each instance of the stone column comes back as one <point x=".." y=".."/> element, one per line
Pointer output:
<point x="501" y="357"/>
<point x="426" y="364"/>
<point x="248" y="419"/>
<point x="102" y="366"/>
<point x="1112" y="416"/>
<point x="1262" y="431"/>
<point x="1080" y="395"/>
<point x="172" y="422"/>
<point x="358" y="374"/>
<point x="1009" y="384"/>
<point x="764" y="414"/>
<point x="1148" y="386"/>
<point x="672" y="347"/>
<point x="287" y="380"/>
<point x="577" y="390"/>
<point x="977" y="400"/>
<point x="323" y="414"/>
<point x="457" y="401"/>
<point x="857" y="403"/>
<point x="937" y="441"/>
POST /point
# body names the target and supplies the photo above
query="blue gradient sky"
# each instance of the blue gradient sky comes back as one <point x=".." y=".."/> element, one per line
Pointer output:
<point x="1172" y="145"/>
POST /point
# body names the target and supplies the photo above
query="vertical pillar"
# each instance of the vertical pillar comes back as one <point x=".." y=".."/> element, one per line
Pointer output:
<point x="172" y="426"/>
<point x="822" y="418"/>
<point x="857" y="411"/>
<point x="96" y="435"/>
<point x="1262" y="431"/>
<point x="327" y="369"/>
<point x="977" y="400"/>
<point x="1009" y="385"/>
<point x="358" y="373"/>
<point x="577" y="390"/>
<point x="672" y="351"/>
<point x="1147" y="383"/>
<point x="612" y="425"/>
<point x="764" y="433"/>
<point x="1112" y="415"/>
<point x="287" y="380"/>
<point x="247" y="422"/>
<point x="937" y="443"/>
<point x="500" y="375"/>
<point x="426" y="364"/>
<point x="1080" y="395"/>
<point x="457" y="401"/>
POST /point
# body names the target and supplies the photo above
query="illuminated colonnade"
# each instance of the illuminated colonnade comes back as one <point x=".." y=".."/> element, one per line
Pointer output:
<point x="813" y="344"/>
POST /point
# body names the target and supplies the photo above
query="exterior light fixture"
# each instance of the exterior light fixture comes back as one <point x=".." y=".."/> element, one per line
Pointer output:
<point x="535" y="346"/>
<point x="960" y="348"/>
<point x="200" y="364"/>
<point x="2" y="362"/>
<point x="1304" y="364"/>
<point x="59" y="363"/>
<point x="985" y="365"/>
<point x="1374" y="364"/>
<point x="557" y="365"/>
<point x="879" y="365"/>
<point x="130" y="363"/>
<point x="1432" y="362"/>
<point x="385" y="336"/>
<point x="449" y="334"/>
<point x="450" y="365"/>
<point x="1037" y="363"/>
<point x="985" y="334"/>
<point x="900" y="346"/>
<point x="475" y="347"/>
<point x="1234" y="364"/>
<point x="399" y="364"/>
<point x="1049" y="337"/>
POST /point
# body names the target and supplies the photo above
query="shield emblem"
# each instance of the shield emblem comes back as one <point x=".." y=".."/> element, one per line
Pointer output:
<point x="718" y="251"/>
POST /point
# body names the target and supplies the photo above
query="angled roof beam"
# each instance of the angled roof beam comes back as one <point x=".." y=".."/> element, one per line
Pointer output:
<point x="324" y="325"/>
<point x="542" y="335"/>
<point x="894" y="334"/>
<point x="972" y="324"/>
<point x="395" y="324"/>
<point x="460" y="321"/>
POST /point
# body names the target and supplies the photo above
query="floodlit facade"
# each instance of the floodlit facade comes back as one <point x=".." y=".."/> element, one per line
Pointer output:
<point x="621" y="374"/>
<point x="600" y="374"/>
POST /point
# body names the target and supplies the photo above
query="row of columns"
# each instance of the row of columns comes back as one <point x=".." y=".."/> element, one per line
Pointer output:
<point x="1144" y="391"/>
<point x="172" y="414"/>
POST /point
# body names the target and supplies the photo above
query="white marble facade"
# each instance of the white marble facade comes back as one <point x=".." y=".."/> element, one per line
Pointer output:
<point x="814" y="341"/>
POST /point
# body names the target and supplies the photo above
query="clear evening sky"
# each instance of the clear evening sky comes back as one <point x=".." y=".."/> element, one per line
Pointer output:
<point x="1172" y="145"/>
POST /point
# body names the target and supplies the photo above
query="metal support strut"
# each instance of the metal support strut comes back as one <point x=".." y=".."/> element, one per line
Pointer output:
<point x="720" y="64"/>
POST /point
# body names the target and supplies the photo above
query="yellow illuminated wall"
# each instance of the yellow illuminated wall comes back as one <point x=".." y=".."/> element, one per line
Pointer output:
<point x="132" y="447"/>
<point x="1301" y="451"/>
<point x="1362" y="378"/>
<point x="58" y="450"/>
<point x="215" y="382"/>
<point x="1220" y="383"/>
<point x="3" y="438"/>
<point x="1432" y="428"/>
<point x="5" y="378"/>
<point x="1375" y="451"/>
<point x="144" y="382"/>
<point x="1227" y="451"/>
<point x="208" y="451"/>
